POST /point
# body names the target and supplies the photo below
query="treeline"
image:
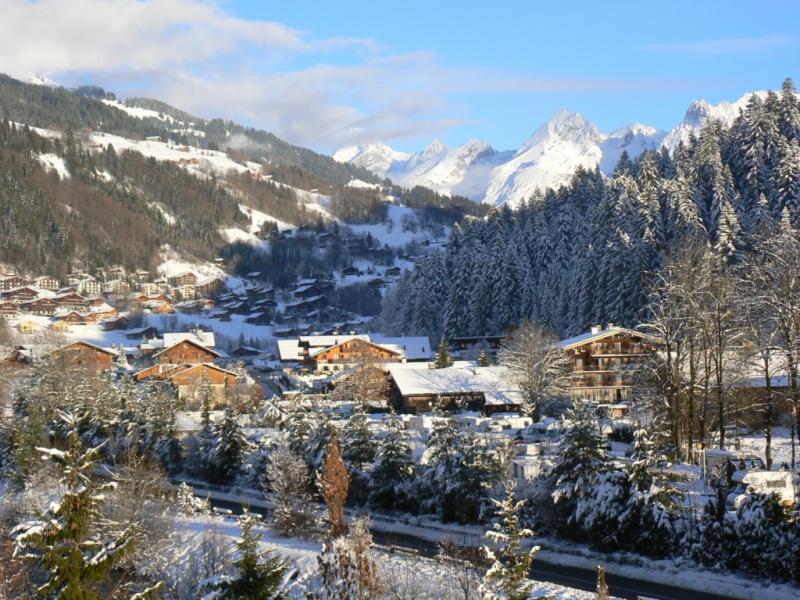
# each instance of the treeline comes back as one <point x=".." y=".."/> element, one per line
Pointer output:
<point x="588" y="253"/>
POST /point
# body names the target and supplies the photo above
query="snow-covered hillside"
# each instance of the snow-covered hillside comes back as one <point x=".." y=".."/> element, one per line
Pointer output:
<point x="547" y="159"/>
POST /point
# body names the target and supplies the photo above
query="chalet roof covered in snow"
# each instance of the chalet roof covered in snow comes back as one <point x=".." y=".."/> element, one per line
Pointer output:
<point x="596" y="334"/>
<point x="412" y="347"/>
<point x="495" y="383"/>
<point x="205" y="338"/>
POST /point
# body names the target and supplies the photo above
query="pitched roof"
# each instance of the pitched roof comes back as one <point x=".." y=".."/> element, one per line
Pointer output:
<point x="90" y="345"/>
<point x="187" y="341"/>
<point x="357" y="338"/>
<point x="599" y="334"/>
<point x="495" y="383"/>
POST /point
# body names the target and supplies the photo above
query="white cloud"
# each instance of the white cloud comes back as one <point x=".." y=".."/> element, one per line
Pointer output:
<point x="725" y="46"/>
<point x="198" y="57"/>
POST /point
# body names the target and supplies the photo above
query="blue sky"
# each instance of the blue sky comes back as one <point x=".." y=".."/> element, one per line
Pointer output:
<point x="325" y="74"/>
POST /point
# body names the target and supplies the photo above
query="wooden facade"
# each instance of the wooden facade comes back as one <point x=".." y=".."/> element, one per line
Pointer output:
<point x="85" y="355"/>
<point x="601" y="363"/>
<point x="185" y="352"/>
<point x="353" y="351"/>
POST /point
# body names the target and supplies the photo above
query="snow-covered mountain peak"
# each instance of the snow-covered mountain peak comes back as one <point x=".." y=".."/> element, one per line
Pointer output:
<point x="633" y="130"/>
<point x="546" y="159"/>
<point x="565" y="125"/>
<point x="39" y="79"/>
<point x="376" y="157"/>
<point x="435" y="148"/>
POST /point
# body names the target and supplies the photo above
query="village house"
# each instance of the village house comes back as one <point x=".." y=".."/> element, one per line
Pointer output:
<point x="185" y="351"/>
<point x="41" y="306"/>
<point x="185" y="278"/>
<point x="85" y="355"/>
<point x="89" y="287"/>
<point x="210" y="286"/>
<point x="601" y="359"/>
<point x="46" y="282"/>
<point x="8" y="308"/>
<point x="28" y="327"/>
<point x="192" y="381"/>
<point x="337" y="352"/>
<point x="20" y="294"/>
<point x="116" y="286"/>
<point x="11" y="282"/>
<point x="418" y="388"/>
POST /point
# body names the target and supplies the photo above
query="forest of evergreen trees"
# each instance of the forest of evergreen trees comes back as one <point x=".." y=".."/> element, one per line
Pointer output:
<point x="588" y="252"/>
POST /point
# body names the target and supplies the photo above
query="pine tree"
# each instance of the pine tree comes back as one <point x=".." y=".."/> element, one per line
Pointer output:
<point x="230" y="447"/>
<point x="64" y="541"/>
<point x="358" y="442"/>
<point x="286" y="487"/>
<point x="507" y="578"/>
<point x="580" y="460"/>
<point x="393" y="468"/>
<point x="443" y="359"/>
<point x="259" y="575"/>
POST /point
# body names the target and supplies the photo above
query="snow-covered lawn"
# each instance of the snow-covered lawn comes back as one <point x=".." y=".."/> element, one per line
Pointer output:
<point x="781" y="445"/>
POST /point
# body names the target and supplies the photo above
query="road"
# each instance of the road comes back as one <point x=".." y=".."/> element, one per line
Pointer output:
<point x="576" y="577"/>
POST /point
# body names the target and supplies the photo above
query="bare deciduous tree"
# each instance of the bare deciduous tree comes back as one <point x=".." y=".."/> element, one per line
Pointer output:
<point x="538" y="365"/>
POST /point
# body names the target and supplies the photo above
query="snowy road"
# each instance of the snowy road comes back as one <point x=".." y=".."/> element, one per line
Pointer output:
<point x="575" y="577"/>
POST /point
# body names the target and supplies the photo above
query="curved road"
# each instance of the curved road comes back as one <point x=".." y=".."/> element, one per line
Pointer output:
<point x="551" y="572"/>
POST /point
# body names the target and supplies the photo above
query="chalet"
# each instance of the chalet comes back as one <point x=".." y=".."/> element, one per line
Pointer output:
<point x="162" y="308"/>
<point x="28" y="327"/>
<point x="245" y="351"/>
<point x="141" y="333"/>
<point x="336" y="352"/>
<point x="377" y="283"/>
<point x="20" y="294"/>
<point x="350" y="271"/>
<point x="418" y="388"/>
<point x="185" y="278"/>
<point x="46" y="282"/>
<point x="115" y="273"/>
<point x="116" y="286"/>
<point x="90" y="287"/>
<point x="601" y="359"/>
<point x="85" y="355"/>
<point x="187" y="292"/>
<point x="41" y="306"/>
<point x="352" y="351"/>
<point x="61" y="326"/>
<point x="11" y="282"/>
<point x="74" y="316"/>
<point x="8" y="308"/>
<point x="191" y="379"/>
<point x="115" y="323"/>
<point x="307" y="291"/>
<point x="210" y="286"/>
<point x="186" y="351"/>
<point x="72" y="301"/>
<point x="148" y="288"/>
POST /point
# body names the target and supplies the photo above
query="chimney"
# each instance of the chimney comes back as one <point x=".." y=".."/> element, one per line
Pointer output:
<point x="610" y="326"/>
<point x="596" y="329"/>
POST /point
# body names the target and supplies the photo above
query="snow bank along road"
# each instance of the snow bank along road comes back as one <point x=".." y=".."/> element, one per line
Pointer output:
<point x="552" y="572"/>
